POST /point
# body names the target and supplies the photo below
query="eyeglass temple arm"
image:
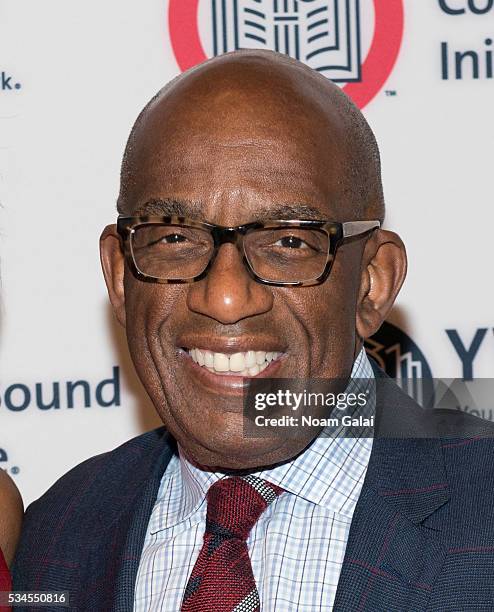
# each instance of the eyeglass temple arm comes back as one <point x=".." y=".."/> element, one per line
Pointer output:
<point x="354" y="228"/>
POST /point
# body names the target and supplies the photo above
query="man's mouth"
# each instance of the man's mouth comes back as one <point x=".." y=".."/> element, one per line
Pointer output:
<point x="249" y="363"/>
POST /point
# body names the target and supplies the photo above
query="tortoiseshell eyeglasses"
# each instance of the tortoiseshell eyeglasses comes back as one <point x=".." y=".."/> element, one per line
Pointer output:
<point x="176" y="249"/>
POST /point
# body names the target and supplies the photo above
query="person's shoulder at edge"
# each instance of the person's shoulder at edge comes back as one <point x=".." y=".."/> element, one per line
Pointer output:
<point x="11" y="511"/>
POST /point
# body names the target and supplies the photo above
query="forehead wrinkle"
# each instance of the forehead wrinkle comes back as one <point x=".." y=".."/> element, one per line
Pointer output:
<point x="258" y="143"/>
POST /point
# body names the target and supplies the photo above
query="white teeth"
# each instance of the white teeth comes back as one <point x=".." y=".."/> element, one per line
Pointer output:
<point x="221" y="362"/>
<point x="250" y="363"/>
<point x="237" y="362"/>
<point x="260" y="357"/>
<point x="250" y="359"/>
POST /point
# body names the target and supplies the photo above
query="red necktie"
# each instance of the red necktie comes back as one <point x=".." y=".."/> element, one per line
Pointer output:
<point x="222" y="579"/>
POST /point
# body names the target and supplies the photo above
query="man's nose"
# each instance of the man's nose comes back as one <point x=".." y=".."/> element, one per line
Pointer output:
<point x="229" y="294"/>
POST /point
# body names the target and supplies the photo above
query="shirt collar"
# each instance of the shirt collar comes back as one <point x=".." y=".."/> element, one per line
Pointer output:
<point x="328" y="473"/>
<point x="331" y="470"/>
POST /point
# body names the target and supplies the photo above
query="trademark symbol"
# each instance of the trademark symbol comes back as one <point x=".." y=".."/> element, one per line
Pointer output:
<point x="14" y="470"/>
<point x="391" y="93"/>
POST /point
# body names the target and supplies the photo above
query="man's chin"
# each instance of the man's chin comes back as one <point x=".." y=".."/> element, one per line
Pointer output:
<point x="216" y="435"/>
<point x="240" y="452"/>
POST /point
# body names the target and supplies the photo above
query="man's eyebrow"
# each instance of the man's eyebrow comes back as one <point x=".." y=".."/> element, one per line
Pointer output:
<point x="289" y="211"/>
<point x="193" y="210"/>
<point x="168" y="207"/>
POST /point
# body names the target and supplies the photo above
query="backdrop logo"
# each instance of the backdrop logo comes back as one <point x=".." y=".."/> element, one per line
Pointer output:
<point x="8" y="82"/>
<point x="4" y="463"/>
<point x="344" y="40"/>
<point x="57" y="395"/>
<point x="399" y="356"/>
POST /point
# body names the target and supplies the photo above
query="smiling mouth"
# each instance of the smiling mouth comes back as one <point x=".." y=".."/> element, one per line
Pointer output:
<point x="246" y="364"/>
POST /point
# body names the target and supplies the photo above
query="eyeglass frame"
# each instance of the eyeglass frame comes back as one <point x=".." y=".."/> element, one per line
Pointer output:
<point x="336" y="231"/>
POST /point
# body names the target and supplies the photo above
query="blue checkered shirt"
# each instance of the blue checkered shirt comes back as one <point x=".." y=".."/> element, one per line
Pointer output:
<point x="296" y="547"/>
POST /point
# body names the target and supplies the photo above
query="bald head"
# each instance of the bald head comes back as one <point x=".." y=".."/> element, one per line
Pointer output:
<point x="241" y="119"/>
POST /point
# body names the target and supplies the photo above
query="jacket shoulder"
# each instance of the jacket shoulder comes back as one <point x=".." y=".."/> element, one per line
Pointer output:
<point x="81" y="512"/>
<point x="105" y="466"/>
<point x="94" y="491"/>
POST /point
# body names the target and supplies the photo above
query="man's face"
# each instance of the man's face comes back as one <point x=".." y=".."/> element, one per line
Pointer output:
<point x="238" y="160"/>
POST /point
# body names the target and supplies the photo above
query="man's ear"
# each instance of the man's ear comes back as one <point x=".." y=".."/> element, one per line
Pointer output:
<point x="384" y="267"/>
<point x="113" y="263"/>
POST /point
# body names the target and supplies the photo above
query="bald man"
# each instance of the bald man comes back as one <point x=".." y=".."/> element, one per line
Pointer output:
<point x="249" y="247"/>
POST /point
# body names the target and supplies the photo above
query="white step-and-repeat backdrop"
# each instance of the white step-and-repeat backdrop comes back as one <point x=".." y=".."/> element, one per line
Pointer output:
<point x="74" y="75"/>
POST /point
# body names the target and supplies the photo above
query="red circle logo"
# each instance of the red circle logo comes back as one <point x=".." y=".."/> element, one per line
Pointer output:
<point x="328" y="36"/>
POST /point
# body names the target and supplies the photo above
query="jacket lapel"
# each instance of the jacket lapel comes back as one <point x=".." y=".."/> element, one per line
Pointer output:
<point x="117" y="552"/>
<point x="134" y="523"/>
<point x="392" y="558"/>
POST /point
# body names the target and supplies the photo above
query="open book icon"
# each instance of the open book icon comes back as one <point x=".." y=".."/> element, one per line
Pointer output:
<point x="325" y="34"/>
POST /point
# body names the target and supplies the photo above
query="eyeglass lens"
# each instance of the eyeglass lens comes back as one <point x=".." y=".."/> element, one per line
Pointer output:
<point x="285" y="254"/>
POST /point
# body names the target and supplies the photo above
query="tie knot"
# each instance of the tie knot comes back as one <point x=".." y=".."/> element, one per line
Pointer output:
<point x="236" y="503"/>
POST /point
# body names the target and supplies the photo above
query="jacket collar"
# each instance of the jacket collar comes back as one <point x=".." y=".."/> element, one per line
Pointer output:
<point x="392" y="558"/>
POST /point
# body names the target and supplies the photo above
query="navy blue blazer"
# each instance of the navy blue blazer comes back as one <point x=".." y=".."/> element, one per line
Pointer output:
<point x="422" y="535"/>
